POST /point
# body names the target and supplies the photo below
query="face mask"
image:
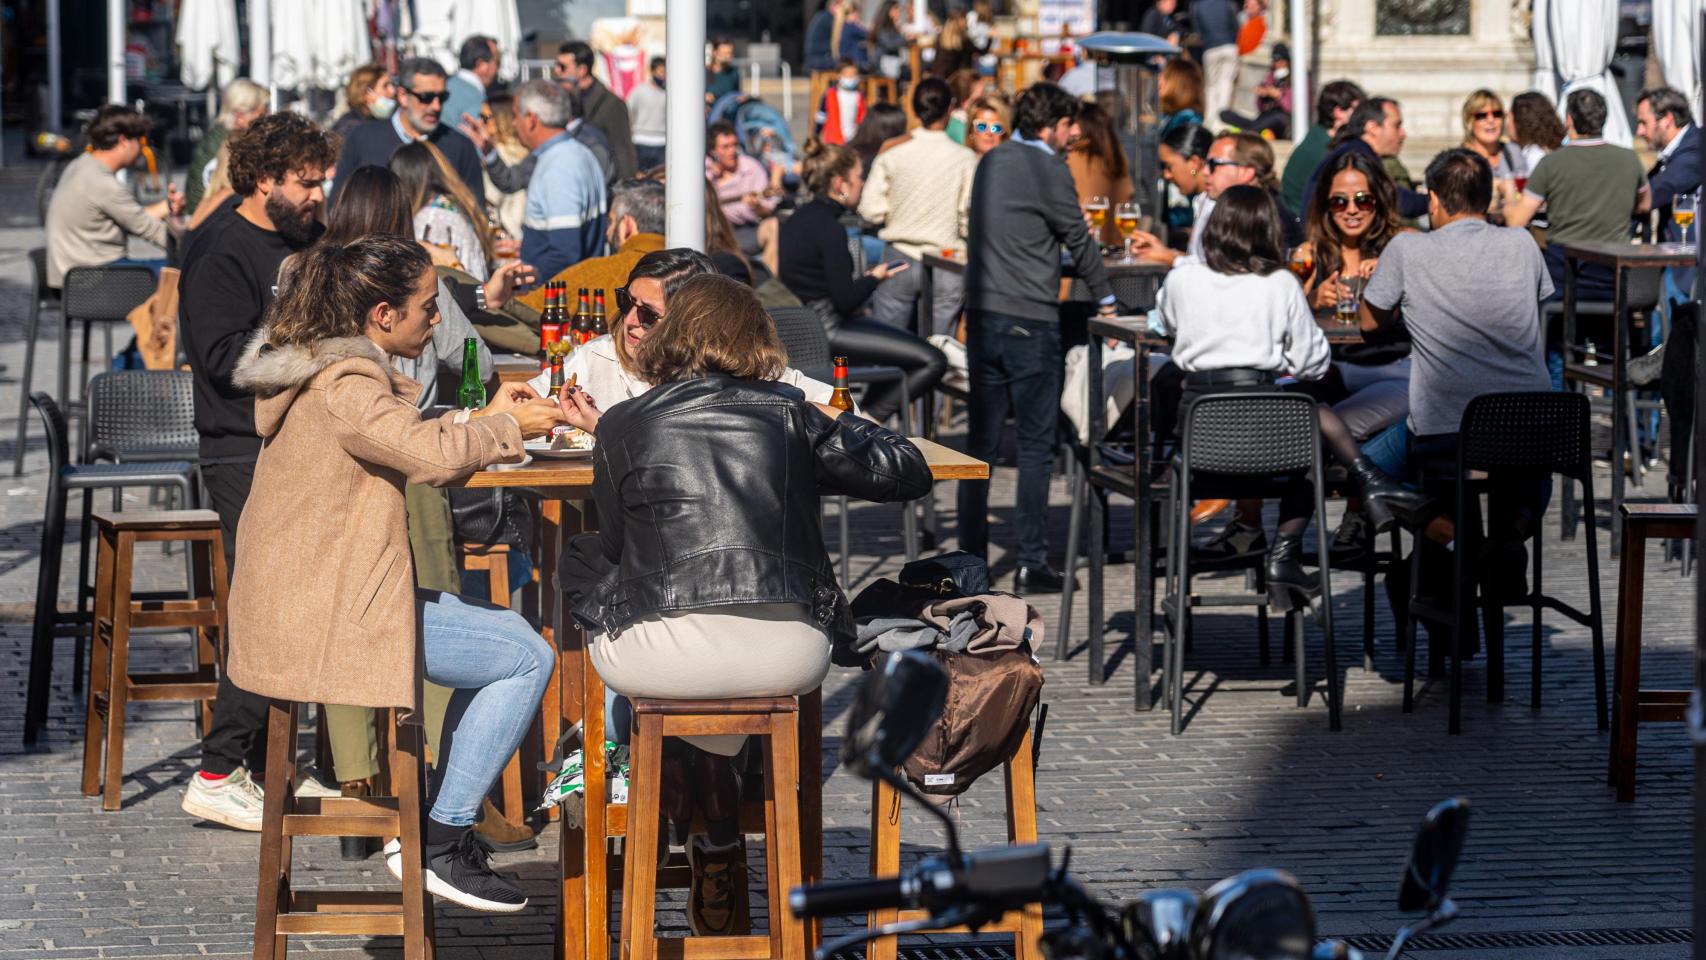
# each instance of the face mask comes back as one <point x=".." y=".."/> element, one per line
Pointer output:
<point x="1281" y="74"/>
<point x="659" y="82"/>
<point x="383" y="107"/>
<point x="850" y="84"/>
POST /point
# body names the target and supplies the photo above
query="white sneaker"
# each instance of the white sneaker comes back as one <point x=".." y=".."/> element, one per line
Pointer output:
<point x="235" y="801"/>
<point x="394" y="857"/>
<point x="308" y="785"/>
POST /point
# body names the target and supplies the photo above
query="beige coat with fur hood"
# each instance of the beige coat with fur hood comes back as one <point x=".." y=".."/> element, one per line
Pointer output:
<point x="323" y="594"/>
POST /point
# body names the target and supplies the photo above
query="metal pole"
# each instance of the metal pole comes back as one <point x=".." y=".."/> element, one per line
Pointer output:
<point x="684" y="125"/>
<point x="260" y="42"/>
<point x="116" y="35"/>
<point x="787" y="90"/>
<point x="1300" y="44"/>
<point x="55" y="86"/>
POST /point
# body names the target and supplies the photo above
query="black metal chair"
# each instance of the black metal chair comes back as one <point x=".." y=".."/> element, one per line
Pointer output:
<point x="1536" y="433"/>
<point x="92" y="295"/>
<point x="1234" y="445"/>
<point x="63" y="477"/>
<point x="40" y="294"/>
<point x="1644" y="290"/>
<point x="803" y="337"/>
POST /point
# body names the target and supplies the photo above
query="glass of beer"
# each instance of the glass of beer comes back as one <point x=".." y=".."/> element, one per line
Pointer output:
<point x="1125" y="221"/>
<point x="1096" y="208"/>
<point x="1301" y="264"/>
<point x="1682" y="211"/>
<point x="1350" y="295"/>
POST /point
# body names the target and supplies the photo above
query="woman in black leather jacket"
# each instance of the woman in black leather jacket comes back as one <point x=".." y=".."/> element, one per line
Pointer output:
<point x="707" y="488"/>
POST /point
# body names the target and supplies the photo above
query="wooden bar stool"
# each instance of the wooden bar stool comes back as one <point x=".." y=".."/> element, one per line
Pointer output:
<point x="778" y="720"/>
<point x="280" y="911"/>
<point x="117" y="615"/>
<point x="887" y="86"/>
<point x="1026" y="925"/>
<point x="493" y="559"/>
<point x="1630" y="705"/>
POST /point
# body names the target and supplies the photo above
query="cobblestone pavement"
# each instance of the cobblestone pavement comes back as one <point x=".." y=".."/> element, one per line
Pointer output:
<point x="1253" y="781"/>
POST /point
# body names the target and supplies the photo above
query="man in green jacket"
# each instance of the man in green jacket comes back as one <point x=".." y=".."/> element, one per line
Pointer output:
<point x="1332" y="105"/>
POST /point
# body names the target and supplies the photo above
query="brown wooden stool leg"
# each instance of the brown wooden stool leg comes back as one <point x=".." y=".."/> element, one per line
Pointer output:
<point x="639" y="874"/>
<point x="406" y="763"/>
<point x="273" y="895"/>
<point x="782" y="843"/>
<point x="1626" y="684"/>
<point x="118" y="693"/>
<point x="206" y="653"/>
<point x="100" y="660"/>
<point x="596" y="823"/>
<point x="885" y="860"/>
<point x="1021" y="829"/>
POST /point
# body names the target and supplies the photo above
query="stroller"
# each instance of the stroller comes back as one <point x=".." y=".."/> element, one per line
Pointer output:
<point x="762" y="131"/>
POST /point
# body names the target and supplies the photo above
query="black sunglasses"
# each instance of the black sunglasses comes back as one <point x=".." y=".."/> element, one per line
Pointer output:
<point x="1490" y="115"/>
<point x="1364" y="201"/>
<point x="1215" y="163"/>
<point x="625" y="301"/>
<point x="430" y="96"/>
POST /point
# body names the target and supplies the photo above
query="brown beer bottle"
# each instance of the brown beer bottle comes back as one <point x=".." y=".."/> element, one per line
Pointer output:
<point x="841" y="399"/>
<point x="583" y="317"/>
<point x="600" y="320"/>
<point x="556" y="390"/>
<point x="550" y="325"/>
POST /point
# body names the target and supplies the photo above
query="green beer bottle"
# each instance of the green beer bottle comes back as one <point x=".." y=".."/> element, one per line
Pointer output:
<point x="472" y="394"/>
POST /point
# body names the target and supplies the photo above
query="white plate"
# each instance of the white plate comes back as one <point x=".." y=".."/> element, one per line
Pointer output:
<point x="546" y="451"/>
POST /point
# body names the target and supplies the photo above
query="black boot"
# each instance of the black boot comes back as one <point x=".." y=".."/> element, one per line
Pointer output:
<point x="1385" y="499"/>
<point x="1290" y="587"/>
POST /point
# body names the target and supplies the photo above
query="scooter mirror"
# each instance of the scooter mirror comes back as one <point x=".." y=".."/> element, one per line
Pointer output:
<point x="1256" y="915"/>
<point x="1439" y="842"/>
<point x="1158" y="924"/>
<point x="892" y="712"/>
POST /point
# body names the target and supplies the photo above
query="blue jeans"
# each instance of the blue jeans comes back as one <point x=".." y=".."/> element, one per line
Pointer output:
<point x="1399" y="454"/>
<point x="499" y="667"/>
<point x="1014" y="365"/>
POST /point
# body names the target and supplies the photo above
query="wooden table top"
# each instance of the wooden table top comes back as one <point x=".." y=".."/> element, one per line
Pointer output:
<point x="513" y="367"/>
<point x="1135" y="329"/>
<point x="1633" y="254"/>
<point x="565" y="476"/>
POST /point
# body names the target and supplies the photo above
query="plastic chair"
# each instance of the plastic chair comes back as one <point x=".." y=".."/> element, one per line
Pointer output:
<point x="1234" y="445"/>
<point x="92" y="295"/>
<point x="140" y="415"/>
<point x="40" y="293"/>
<point x="1542" y="432"/>
<point x="63" y="477"/>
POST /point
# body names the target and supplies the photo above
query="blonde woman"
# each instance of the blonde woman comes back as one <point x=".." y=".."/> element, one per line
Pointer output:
<point x="447" y="217"/>
<point x="991" y="123"/>
<point x="497" y="120"/>
<point x="241" y="103"/>
<point x="1484" y="134"/>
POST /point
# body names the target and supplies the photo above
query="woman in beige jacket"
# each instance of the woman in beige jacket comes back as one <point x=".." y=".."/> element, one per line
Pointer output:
<point x="328" y="611"/>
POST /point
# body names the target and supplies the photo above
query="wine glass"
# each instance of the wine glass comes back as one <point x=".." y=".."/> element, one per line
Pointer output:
<point x="1682" y="211"/>
<point x="1301" y="264"/>
<point x="1125" y="221"/>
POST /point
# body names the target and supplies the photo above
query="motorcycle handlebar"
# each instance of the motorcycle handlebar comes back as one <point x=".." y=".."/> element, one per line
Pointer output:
<point x="849" y="896"/>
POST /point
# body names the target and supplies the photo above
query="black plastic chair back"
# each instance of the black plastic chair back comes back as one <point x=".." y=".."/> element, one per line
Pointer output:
<point x="1642" y="288"/>
<point x="38" y="273"/>
<point x="142" y="414"/>
<point x="1250" y="434"/>
<point x="106" y="293"/>
<point x="804" y="339"/>
<point x="58" y="434"/>
<point x="1543" y="430"/>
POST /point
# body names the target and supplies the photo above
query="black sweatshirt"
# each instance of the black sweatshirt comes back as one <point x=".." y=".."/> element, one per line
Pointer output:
<point x="814" y="260"/>
<point x="230" y="271"/>
<point x="1024" y="208"/>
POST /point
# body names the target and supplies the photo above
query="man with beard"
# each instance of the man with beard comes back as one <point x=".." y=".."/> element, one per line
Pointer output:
<point x="421" y="96"/>
<point x="230" y="270"/>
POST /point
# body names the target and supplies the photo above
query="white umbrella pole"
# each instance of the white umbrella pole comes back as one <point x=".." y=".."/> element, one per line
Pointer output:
<point x="684" y="124"/>
<point x="55" y="90"/>
<point x="260" y="42"/>
<point x="116" y="30"/>
<point x="1300" y="99"/>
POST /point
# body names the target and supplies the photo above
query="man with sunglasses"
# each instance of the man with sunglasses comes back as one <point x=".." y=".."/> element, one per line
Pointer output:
<point x="1375" y="127"/>
<point x="421" y="96"/>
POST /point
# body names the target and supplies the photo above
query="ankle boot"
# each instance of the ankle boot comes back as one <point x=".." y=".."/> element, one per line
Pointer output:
<point x="1385" y="499"/>
<point x="499" y="835"/>
<point x="356" y="848"/>
<point x="1290" y="587"/>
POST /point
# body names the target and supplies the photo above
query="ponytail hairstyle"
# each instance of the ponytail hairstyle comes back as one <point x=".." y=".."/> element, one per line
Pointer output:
<point x="822" y="162"/>
<point x="1254" y="152"/>
<point x="328" y="290"/>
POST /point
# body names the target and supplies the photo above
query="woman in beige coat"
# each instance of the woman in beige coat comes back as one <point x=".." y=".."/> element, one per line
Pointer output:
<point x="329" y="612"/>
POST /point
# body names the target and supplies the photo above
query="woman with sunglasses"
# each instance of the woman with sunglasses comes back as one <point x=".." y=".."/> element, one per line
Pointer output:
<point x="991" y="123"/>
<point x="1484" y="134"/>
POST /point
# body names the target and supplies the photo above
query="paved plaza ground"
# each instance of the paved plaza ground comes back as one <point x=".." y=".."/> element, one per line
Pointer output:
<point x="1253" y="781"/>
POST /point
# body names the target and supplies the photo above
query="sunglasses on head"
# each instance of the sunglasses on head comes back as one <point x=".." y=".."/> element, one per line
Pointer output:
<point x="1490" y="115"/>
<point x="994" y="128"/>
<point x="645" y="314"/>
<point x="429" y="96"/>
<point x="1338" y="202"/>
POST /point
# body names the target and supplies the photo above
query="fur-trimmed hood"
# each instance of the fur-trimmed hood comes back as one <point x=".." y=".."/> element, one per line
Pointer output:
<point x="278" y="375"/>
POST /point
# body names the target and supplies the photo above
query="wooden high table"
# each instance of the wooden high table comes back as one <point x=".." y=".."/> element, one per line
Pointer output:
<point x="1138" y="482"/>
<point x="1621" y="258"/>
<point x="565" y="486"/>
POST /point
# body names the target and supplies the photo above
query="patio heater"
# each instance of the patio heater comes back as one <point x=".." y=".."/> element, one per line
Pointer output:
<point x="1134" y="60"/>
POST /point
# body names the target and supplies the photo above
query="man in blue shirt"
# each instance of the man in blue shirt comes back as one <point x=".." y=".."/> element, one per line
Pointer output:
<point x="478" y="60"/>
<point x="566" y="201"/>
<point x="420" y="103"/>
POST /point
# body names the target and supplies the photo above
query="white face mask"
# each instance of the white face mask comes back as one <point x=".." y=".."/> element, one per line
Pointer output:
<point x="1282" y="74"/>
<point x="383" y="107"/>
<point x="849" y="84"/>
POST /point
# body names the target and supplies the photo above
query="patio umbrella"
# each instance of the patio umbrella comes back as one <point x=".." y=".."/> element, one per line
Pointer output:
<point x="316" y="43"/>
<point x="435" y="33"/>
<point x="207" y="43"/>
<point x="1578" y="39"/>
<point x="1676" y="42"/>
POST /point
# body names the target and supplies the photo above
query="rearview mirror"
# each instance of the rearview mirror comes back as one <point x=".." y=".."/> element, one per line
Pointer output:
<point x="892" y="712"/>
<point x="1256" y="915"/>
<point x="1439" y="842"/>
<point x="1158" y="924"/>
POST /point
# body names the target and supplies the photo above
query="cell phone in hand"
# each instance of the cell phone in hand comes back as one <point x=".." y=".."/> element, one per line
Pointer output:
<point x="894" y="265"/>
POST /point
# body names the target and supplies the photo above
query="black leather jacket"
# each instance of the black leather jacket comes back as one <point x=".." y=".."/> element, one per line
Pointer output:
<point x="707" y="493"/>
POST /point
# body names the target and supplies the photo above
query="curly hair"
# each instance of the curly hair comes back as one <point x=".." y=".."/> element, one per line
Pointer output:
<point x="279" y="144"/>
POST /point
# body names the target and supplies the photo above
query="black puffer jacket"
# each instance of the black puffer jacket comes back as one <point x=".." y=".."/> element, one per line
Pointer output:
<point x="707" y="494"/>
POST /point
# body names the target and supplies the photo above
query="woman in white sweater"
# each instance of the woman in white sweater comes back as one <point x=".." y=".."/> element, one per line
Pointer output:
<point x="1239" y="321"/>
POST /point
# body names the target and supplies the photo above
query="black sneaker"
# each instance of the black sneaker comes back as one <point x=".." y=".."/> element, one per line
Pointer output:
<point x="1236" y="539"/>
<point x="458" y="872"/>
<point x="1350" y="541"/>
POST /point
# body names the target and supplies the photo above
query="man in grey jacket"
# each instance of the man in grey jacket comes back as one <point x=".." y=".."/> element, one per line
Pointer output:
<point x="1024" y="209"/>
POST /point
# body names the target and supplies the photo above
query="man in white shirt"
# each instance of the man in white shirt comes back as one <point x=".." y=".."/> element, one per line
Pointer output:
<point x="478" y="60"/>
<point x="919" y="192"/>
<point x="646" y="113"/>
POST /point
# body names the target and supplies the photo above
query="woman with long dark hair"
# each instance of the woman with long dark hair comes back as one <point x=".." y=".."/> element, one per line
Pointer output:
<point x="883" y="122"/>
<point x="1184" y="166"/>
<point x="447" y="216"/>
<point x="1099" y="167"/>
